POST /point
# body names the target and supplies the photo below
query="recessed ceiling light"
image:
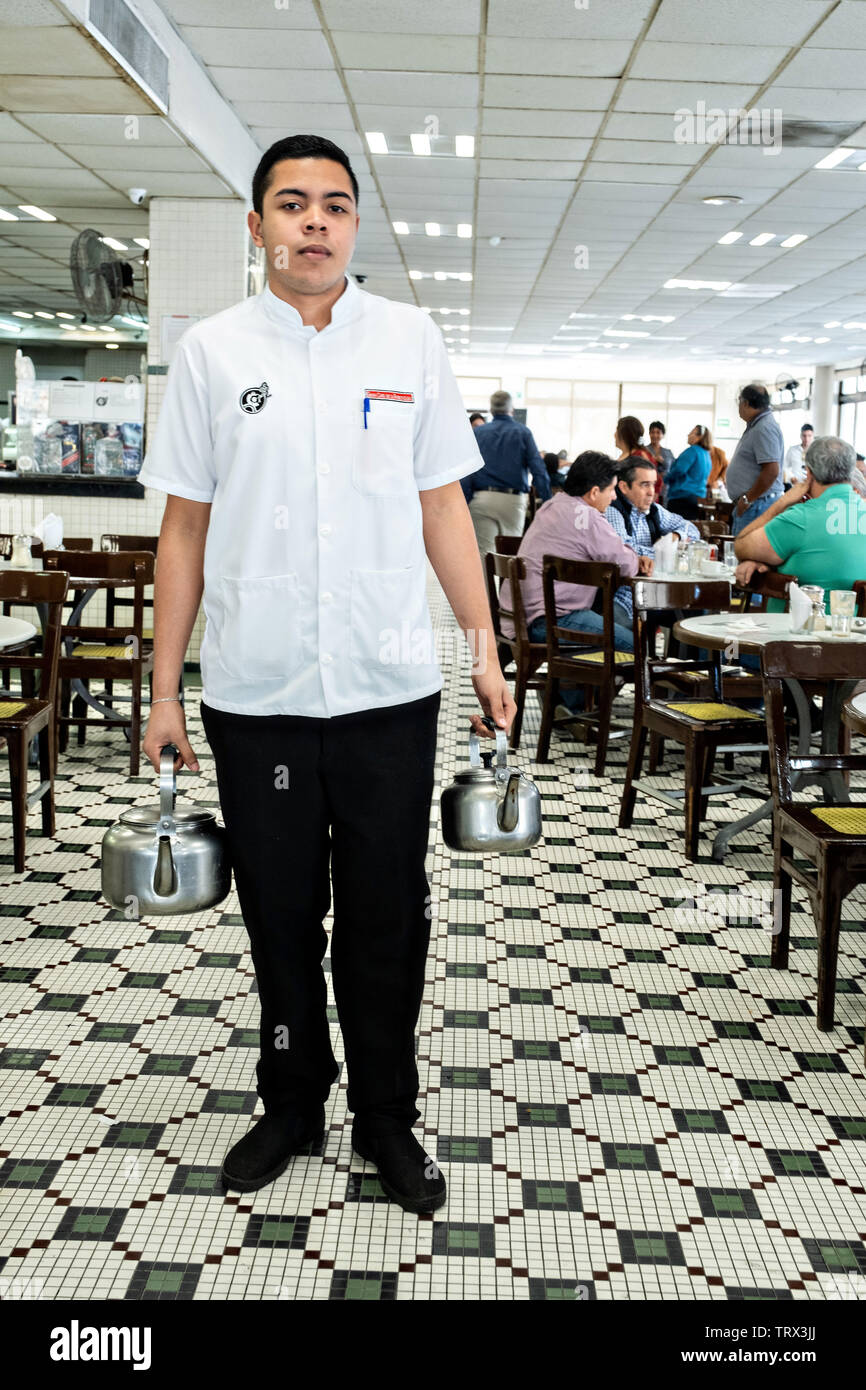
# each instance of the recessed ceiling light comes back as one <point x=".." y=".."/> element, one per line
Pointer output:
<point x="69" y="327"/>
<point x="853" y="325"/>
<point x="87" y="328"/>
<point x="401" y="228"/>
<point x="136" y="323"/>
<point x="39" y="213"/>
<point x="752" y="349"/>
<point x="432" y="229"/>
<point x="21" y="314"/>
<point x="416" y="274"/>
<point x="495" y="240"/>
<point x="464" y="229"/>
<point x="729" y="238"/>
<point x="794" y="240"/>
<point x="420" y="144"/>
<point x="763" y="239"/>
<point x="8" y="216"/>
<point x="376" y="141"/>
<point x="625" y="333"/>
<point x="833" y="158"/>
<point x="718" y="200"/>
<point x="11" y="327"/>
<point x="464" y="146"/>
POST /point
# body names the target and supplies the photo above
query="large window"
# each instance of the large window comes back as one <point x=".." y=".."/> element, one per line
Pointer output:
<point x="852" y="410"/>
<point x="576" y="415"/>
<point x="477" y="390"/>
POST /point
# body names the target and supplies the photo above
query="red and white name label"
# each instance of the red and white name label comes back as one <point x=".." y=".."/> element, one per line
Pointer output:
<point x="406" y="396"/>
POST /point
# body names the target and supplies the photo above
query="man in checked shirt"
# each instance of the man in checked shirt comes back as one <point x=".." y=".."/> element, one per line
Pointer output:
<point x="639" y="521"/>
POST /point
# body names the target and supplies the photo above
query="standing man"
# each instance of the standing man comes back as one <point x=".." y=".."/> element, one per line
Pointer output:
<point x="311" y="441"/>
<point x="754" y="477"/>
<point x="795" y="458"/>
<point x="500" y="489"/>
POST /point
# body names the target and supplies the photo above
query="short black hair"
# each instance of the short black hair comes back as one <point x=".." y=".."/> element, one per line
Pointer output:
<point x="755" y="396"/>
<point x="551" y="463"/>
<point x="806" y="427"/>
<point x="630" y="466"/>
<point x="476" y="415"/>
<point x="590" y="469"/>
<point x="298" y="147"/>
<point x="657" y="425"/>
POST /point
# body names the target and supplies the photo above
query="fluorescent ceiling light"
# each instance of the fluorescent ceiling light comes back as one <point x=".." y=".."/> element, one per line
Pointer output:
<point x="729" y="238"/>
<point x="401" y="228"/>
<point x="115" y="245"/>
<point x="21" y="314"/>
<point x="718" y="200"/>
<point x="464" y="229"/>
<point x="698" y="285"/>
<point x="762" y="239"/>
<point x="8" y="216"/>
<point x="624" y="333"/>
<point x="834" y="323"/>
<point x="42" y="314"/>
<point x="464" y="146"/>
<point x="61" y="314"/>
<point x="833" y="158"/>
<point x="142" y="241"/>
<point x="794" y="240"/>
<point x="420" y="144"/>
<point x="822" y="340"/>
<point x="416" y="274"/>
<point x="432" y="229"/>
<point x="751" y="349"/>
<point x="11" y="327"/>
<point x="640" y="318"/>
<point x="136" y="323"/>
<point x="111" y="346"/>
<point x="87" y="328"/>
<point x="69" y="327"/>
<point x="376" y="141"/>
<point x="853" y="325"/>
<point x="39" y="213"/>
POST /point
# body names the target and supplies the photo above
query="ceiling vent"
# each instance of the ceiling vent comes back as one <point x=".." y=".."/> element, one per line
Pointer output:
<point x="797" y="134"/>
<point x="133" y="43"/>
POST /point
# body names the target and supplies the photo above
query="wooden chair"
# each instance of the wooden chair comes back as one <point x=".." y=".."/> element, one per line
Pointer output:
<point x="831" y="838"/>
<point x="531" y="507"/>
<point x="860" y="591"/>
<point x="700" y="725"/>
<point x="115" y="653"/>
<point x="503" y="545"/>
<point x="527" y="656"/>
<point x="33" y="715"/>
<point x="117" y="599"/>
<point x="37" y="550"/>
<point x="598" y="667"/>
<point x="714" y="530"/>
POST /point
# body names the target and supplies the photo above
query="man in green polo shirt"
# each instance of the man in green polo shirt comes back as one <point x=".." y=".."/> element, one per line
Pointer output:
<point x="816" y="530"/>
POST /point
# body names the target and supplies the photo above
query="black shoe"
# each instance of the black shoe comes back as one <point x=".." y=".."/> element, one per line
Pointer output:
<point x="409" y="1176"/>
<point x="267" y="1149"/>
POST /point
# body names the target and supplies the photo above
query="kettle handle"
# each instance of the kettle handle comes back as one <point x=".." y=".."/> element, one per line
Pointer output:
<point x="167" y="788"/>
<point x="501" y="745"/>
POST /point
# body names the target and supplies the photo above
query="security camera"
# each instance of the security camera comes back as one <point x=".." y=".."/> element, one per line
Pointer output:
<point x="137" y="195"/>
<point x="361" y="279"/>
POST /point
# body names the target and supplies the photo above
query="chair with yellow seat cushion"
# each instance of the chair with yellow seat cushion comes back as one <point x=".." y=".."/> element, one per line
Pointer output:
<point x="32" y="715"/>
<point x="701" y="726"/>
<point x="597" y="669"/>
<point x="111" y="653"/>
<point x="831" y="838"/>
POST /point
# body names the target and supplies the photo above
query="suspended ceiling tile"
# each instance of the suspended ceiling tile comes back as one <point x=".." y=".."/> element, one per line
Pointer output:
<point x="568" y="93"/>
<point x="117" y="130"/>
<point x="168" y="185"/>
<point x="558" y="19"/>
<point x="398" y="122"/>
<point x="664" y="98"/>
<point x="294" y="14"/>
<point x="576" y="57"/>
<point x="264" y="44"/>
<point x="348" y="140"/>
<point x="554" y="124"/>
<point x="34" y="13"/>
<point x="430" y="89"/>
<point x="67" y="94"/>
<point x="646" y="152"/>
<point x="523" y="170"/>
<point x="56" y="50"/>
<point x="827" y="69"/>
<point x="533" y="147"/>
<point x="34" y="156"/>
<point x="293" y="116"/>
<point x="813" y="103"/>
<point x="670" y="61"/>
<point x="405" y="16"/>
<point x="682" y="21"/>
<point x="404" y="53"/>
<point x="277" y="84"/>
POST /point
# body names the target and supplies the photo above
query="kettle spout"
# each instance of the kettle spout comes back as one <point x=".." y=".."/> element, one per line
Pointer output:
<point x="165" y="874"/>
<point x="509" y="810"/>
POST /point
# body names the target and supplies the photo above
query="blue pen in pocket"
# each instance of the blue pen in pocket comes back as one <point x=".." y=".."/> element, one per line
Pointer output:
<point x="366" y="410"/>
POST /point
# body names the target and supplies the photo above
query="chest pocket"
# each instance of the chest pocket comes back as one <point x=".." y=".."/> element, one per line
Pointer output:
<point x="384" y="455"/>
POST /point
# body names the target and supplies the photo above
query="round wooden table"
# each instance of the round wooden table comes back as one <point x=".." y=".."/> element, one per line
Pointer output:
<point x="746" y="632"/>
<point x="14" y="631"/>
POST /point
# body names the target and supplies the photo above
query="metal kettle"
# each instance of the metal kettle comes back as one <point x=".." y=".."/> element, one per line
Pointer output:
<point x="493" y="808"/>
<point x="161" y="860"/>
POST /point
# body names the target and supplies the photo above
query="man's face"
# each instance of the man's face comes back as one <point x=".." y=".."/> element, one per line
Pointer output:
<point x="641" y="491"/>
<point x="806" y="437"/>
<point x="308" y="224"/>
<point x="745" y="411"/>
<point x="601" y="498"/>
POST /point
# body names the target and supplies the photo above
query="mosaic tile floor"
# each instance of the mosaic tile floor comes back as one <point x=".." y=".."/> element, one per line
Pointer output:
<point x="626" y="1101"/>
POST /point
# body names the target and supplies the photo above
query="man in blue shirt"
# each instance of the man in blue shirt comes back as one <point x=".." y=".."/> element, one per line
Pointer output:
<point x="498" y="492"/>
<point x="640" y="522"/>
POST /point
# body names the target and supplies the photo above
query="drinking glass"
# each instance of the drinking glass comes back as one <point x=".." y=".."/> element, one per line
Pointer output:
<point x="728" y="555"/>
<point x="843" y="605"/>
<point x="681" y="564"/>
<point x="698" y="552"/>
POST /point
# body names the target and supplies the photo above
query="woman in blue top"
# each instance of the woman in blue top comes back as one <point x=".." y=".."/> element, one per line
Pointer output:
<point x="687" y="476"/>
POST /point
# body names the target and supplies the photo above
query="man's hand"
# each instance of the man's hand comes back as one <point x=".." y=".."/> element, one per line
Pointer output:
<point x="746" y="568"/>
<point x="799" y="492"/>
<point x="645" y="564"/>
<point x="742" y="503"/>
<point x="495" y="699"/>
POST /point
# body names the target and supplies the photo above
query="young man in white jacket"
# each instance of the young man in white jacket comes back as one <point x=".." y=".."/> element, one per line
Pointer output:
<point x="311" y="444"/>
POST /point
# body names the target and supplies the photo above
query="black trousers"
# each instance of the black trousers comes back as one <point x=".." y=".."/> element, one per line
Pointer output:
<point x="285" y="782"/>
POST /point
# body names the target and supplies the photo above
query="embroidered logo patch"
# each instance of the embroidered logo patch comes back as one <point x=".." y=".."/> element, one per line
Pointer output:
<point x="253" y="399"/>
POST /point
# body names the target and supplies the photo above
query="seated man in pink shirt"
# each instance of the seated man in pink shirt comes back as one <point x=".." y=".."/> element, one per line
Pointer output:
<point x="572" y="524"/>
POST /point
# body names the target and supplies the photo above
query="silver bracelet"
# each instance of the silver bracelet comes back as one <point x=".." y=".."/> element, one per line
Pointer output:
<point x="165" y="699"/>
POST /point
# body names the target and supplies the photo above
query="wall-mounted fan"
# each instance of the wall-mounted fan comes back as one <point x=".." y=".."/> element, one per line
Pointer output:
<point x="102" y="281"/>
<point x="784" y="382"/>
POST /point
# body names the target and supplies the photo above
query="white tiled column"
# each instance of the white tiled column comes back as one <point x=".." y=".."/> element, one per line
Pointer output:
<point x="198" y="260"/>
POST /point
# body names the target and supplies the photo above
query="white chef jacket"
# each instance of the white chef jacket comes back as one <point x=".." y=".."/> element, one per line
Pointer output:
<point x="794" y="470"/>
<point x="314" y="567"/>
